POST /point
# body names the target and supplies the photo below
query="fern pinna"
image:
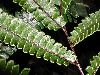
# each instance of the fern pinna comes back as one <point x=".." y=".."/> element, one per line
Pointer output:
<point x="57" y="17"/>
<point x="15" y="32"/>
<point x="88" y="26"/>
<point x="48" y="9"/>
<point x="95" y="64"/>
<point x="9" y="68"/>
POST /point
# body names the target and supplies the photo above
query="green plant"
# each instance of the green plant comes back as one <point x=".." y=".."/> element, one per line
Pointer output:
<point x="20" y="32"/>
<point x="12" y="69"/>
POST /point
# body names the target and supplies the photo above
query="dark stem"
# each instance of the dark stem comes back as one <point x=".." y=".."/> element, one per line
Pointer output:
<point x="70" y="43"/>
<point x="60" y="7"/>
<point x="76" y="63"/>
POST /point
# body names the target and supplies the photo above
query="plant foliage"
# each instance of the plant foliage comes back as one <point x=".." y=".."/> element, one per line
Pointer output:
<point x="11" y="69"/>
<point x="6" y="51"/>
<point x="41" y="9"/>
<point x="15" y="32"/>
<point x="24" y="32"/>
<point x="88" y="26"/>
<point x="95" y="64"/>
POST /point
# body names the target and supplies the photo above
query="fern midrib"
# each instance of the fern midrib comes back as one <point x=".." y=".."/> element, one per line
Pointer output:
<point x="50" y="51"/>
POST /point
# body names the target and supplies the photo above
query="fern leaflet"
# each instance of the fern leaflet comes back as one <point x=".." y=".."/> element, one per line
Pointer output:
<point x="10" y="69"/>
<point x="95" y="64"/>
<point x="41" y="13"/>
<point x="86" y="28"/>
<point x="15" y="32"/>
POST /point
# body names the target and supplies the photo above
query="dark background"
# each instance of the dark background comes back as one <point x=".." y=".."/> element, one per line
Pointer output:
<point x="85" y="50"/>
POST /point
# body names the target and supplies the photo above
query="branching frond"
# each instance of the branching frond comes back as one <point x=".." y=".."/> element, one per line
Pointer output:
<point x="10" y="68"/>
<point x="88" y="26"/>
<point x="15" y="32"/>
<point x="44" y="12"/>
<point x="47" y="14"/>
<point x="51" y="14"/>
<point x="95" y="64"/>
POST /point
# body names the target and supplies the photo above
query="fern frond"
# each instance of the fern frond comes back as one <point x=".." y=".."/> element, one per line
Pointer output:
<point x="11" y="69"/>
<point x="88" y="26"/>
<point x="15" y="32"/>
<point x="6" y="51"/>
<point x="95" y="64"/>
<point x="44" y="11"/>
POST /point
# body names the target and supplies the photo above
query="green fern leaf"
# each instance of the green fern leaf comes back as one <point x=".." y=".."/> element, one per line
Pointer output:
<point x="25" y="71"/>
<point x="15" y="70"/>
<point x="9" y="66"/>
<point x="11" y="69"/>
<point x="95" y="64"/>
<point x="86" y="28"/>
<point x="33" y="42"/>
<point x="2" y="65"/>
<point x="41" y="15"/>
